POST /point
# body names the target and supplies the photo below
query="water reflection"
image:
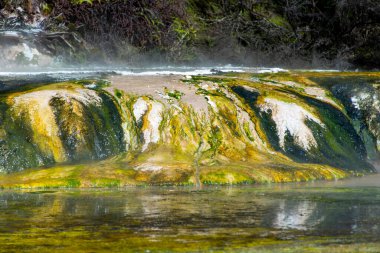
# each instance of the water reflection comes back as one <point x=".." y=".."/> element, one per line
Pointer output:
<point x="228" y="214"/>
<point x="298" y="215"/>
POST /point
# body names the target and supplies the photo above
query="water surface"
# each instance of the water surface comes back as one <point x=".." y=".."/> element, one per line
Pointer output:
<point x="341" y="216"/>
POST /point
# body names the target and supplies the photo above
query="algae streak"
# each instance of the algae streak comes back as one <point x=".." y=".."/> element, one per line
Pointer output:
<point x="58" y="123"/>
<point x="254" y="128"/>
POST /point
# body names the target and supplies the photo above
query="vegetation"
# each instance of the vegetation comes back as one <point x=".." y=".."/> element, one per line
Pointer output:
<point x="333" y="33"/>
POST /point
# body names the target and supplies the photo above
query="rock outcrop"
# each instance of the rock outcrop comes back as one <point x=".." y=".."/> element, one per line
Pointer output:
<point x="253" y="128"/>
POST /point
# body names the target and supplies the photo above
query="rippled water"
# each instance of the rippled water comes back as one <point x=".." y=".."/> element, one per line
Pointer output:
<point x="320" y="217"/>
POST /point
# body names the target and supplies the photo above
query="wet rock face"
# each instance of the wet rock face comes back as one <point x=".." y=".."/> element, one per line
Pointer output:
<point x="61" y="124"/>
<point x="307" y="129"/>
<point x="361" y="98"/>
<point x="262" y="123"/>
<point x="366" y="106"/>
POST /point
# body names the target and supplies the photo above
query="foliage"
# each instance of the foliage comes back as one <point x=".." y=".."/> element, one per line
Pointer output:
<point x="116" y="26"/>
<point x="332" y="33"/>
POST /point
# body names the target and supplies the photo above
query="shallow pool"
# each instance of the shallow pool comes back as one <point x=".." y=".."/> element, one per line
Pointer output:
<point x="341" y="216"/>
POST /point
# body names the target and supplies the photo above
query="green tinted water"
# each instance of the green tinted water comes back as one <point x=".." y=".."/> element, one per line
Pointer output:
<point x="318" y="217"/>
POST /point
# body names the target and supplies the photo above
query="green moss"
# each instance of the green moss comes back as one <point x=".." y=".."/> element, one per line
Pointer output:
<point x="106" y="183"/>
<point x="345" y="86"/>
<point x="173" y="93"/>
<point x="118" y="94"/>
<point x="279" y="21"/>
<point x="73" y="183"/>
<point x="17" y="149"/>
<point x="225" y="177"/>
<point x="338" y="144"/>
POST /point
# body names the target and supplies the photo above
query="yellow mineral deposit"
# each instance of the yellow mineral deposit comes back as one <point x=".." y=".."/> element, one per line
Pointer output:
<point x="231" y="129"/>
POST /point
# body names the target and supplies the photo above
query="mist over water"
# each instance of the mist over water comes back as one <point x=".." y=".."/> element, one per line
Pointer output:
<point x="16" y="77"/>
